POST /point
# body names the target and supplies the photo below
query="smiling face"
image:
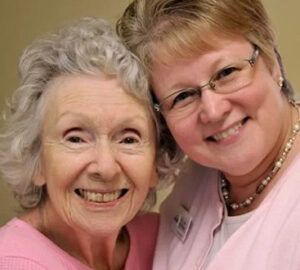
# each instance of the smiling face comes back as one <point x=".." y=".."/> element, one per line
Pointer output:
<point x="98" y="153"/>
<point x="233" y="132"/>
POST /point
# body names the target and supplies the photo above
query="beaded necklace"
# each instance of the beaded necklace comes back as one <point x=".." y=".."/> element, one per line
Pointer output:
<point x="275" y="168"/>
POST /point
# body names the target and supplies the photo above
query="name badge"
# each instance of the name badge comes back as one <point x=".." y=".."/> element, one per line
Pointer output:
<point x="181" y="223"/>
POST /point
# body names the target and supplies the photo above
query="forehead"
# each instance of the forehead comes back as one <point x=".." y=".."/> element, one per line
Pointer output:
<point x="92" y="96"/>
<point x="188" y="44"/>
<point x="167" y="55"/>
<point x="88" y="88"/>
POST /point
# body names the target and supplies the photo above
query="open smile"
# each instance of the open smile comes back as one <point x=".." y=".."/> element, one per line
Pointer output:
<point x="100" y="197"/>
<point x="228" y="132"/>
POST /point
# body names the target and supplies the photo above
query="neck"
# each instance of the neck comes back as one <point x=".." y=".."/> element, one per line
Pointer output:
<point x="245" y="193"/>
<point x="105" y="252"/>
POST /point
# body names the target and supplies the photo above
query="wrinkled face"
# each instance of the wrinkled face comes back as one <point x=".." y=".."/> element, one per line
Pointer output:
<point x="98" y="153"/>
<point x="232" y="131"/>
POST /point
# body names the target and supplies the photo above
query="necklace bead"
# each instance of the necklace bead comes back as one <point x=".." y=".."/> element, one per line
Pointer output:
<point x="276" y="167"/>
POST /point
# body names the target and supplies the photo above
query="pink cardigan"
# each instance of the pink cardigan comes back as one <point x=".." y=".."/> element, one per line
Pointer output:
<point x="23" y="247"/>
<point x="270" y="239"/>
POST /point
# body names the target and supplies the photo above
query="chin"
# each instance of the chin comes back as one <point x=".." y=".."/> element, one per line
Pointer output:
<point x="239" y="169"/>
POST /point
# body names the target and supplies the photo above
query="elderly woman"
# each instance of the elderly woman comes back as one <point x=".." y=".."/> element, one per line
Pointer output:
<point x="79" y="153"/>
<point x="220" y="88"/>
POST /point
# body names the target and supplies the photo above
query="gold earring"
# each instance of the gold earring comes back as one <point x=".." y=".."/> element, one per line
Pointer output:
<point x="281" y="80"/>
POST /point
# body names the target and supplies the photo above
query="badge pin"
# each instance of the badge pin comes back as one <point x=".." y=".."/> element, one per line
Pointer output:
<point x="181" y="223"/>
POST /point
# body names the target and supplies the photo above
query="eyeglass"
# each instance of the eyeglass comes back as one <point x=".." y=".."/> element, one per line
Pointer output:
<point x="227" y="80"/>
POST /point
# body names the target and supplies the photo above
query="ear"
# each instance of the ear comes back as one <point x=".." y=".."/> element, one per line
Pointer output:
<point x="276" y="71"/>
<point x="38" y="176"/>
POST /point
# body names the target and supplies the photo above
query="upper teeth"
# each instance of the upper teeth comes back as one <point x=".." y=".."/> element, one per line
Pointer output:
<point x="100" y="197"/>
<point x="224" y="134"/>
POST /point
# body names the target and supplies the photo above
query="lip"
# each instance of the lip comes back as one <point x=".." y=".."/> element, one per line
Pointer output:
<point x="228" y="133"/>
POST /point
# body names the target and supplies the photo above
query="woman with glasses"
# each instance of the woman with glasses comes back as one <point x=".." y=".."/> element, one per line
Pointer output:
<point x="219" y="86"/>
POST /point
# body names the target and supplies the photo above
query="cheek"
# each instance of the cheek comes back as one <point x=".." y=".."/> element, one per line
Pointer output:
<point x="58" y="185"/>
<point x="264" y="100"/>
<point x="60" y="170"/>
<point x="263" y="90"/>
<point x="185" y="131"/>
<point x="140" y="170"/>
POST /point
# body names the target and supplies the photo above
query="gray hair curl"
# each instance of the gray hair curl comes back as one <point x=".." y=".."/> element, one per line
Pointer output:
<point x="85" y="47"/>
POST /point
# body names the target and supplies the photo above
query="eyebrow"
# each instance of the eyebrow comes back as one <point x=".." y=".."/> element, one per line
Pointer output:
<point x="216" y="66"/>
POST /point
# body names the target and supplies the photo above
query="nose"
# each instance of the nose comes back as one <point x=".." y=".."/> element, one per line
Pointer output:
<point x="104" y="165"/>
<point x="214" y="107"/>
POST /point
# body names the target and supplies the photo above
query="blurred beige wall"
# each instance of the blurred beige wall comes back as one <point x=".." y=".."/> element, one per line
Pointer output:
<point x="22" y="21"/>
<point x="286" y="22"/>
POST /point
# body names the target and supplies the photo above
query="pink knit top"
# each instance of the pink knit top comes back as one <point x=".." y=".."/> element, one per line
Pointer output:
<point x="23" y="247"/>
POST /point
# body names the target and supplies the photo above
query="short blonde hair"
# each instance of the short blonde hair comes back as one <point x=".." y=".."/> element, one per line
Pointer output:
<point x="162" y="30"/>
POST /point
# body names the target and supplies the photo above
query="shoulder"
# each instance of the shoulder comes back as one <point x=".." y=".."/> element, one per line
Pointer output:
<point x="183" y="236"/>
<point x="13" y="233"/>
<point x="294" y="167"/>
<point x="24" y="247"/>
<point x="18" y="248"/>
<point x="143" y="230"/>
<point x="145" y="222"/>
<point x="19" y="237"/>
<point x="194" y="183"/>
<point x="19" y="263"/>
